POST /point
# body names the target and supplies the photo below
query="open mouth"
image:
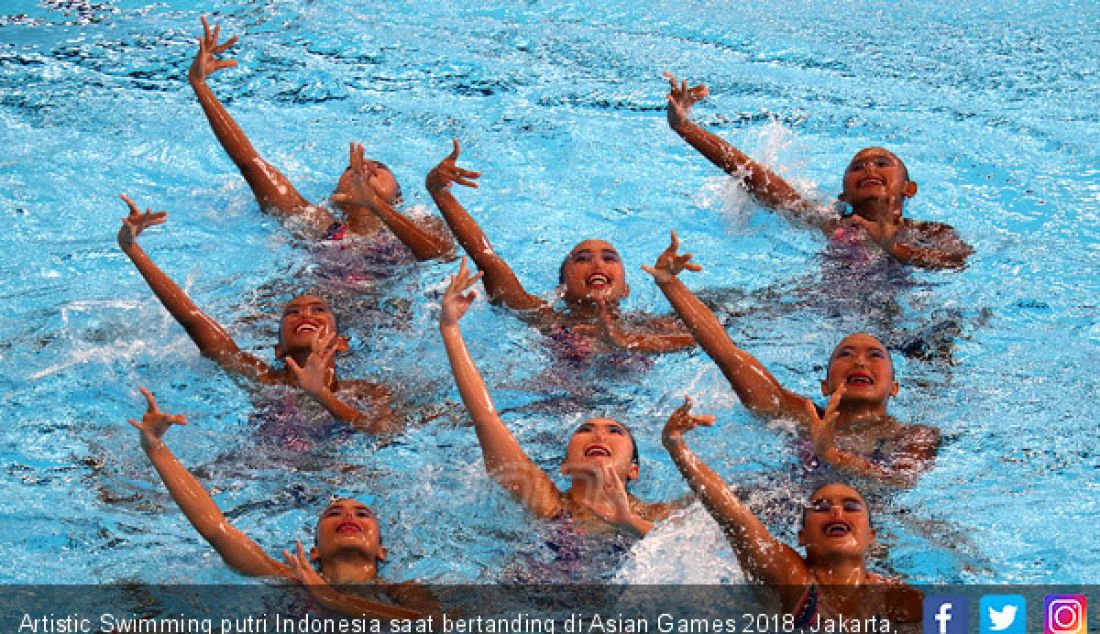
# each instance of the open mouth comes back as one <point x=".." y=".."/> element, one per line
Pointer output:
<point x="598" y="280"/>
<point x="859" y="378"/>
<point x="871" y="181"/>
<point x="597" y="451"/>
<point x="837" y="529"/>
<point x="348" y="528"/>
<point x="306" y="326"/>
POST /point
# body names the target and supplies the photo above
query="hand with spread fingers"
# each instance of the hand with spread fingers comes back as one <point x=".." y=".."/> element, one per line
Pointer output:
<point x="680" y="100"/>
<point x="447" y="172"/>
<point x="301" y="568"/>
<point x="823" y="428"/>
<point x="155" y="423"/>
<point x="608" y="486"/>
<point x="206" y="62"/>
<point x="136" y="222"/>
<point x="318" y="376"/>
<point x="456" y="299"/>
<point x="682" y="421"/>
<point x="669" y="264"/>
<point x="362" y="192"/>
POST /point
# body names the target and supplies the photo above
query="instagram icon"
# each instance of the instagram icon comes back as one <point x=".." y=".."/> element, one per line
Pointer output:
<point x="1065" y="614"/>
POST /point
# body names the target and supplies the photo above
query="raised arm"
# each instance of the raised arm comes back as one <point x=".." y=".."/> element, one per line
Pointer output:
<point x="425" y="242"/>
<point x="504" y="459"/>
<point x="272" y="190"/>
<point x="501" y="284"/>
<point x="236" y="549"/>
<point x="755" y="386"/>
<point x="212" y="340"/>
<point x="761" y="555"/>
<point x="765" y="185"/>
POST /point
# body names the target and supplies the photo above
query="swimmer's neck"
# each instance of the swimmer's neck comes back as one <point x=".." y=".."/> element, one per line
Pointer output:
<point x="861" y="413"/>
<point x="353" y="567"/>
<point x="585" y="489"/>
<point x="361" y="221"/>
<point x="838" y="570"/>
<point x="587" y="310"/>
<point x="875" y="209"/>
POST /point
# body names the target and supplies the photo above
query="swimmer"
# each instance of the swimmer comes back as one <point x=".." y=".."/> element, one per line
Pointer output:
<point x="593" y="281"/>
<point x="367" y="193"/>
<point x="600" y="457"/>
<point x="308" y="339"/>
<point x="832" y="579"/>
<point x="347" y="545"/>
<point x="854" y="433"/>
<point x="876" y="185"/>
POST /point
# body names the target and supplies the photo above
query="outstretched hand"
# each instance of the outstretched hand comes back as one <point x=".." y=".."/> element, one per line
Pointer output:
<point x="455" y="299"/>
<point x="320" y="369"/>
<point x="136" y="222"/>
<point x="154" y="423"/>
<point x="823" y="428"/>
<point x="682" y="421"/>
<point x="448" y="172"/>
<point x="681" y="99"/>
<point x="670" y="263"/>
<point x="206" y="63"/>
<point x="302" y="569"/>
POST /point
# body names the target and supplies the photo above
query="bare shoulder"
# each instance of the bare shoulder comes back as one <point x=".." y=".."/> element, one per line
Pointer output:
<point x="657" y="511"/>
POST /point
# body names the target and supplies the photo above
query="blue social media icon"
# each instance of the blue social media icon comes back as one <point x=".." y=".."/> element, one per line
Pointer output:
<point x="1002" y="614"/>
<point x="946" y="614"/>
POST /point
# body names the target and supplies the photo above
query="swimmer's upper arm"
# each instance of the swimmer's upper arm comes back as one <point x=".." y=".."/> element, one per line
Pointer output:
<point x="240" y="553"/>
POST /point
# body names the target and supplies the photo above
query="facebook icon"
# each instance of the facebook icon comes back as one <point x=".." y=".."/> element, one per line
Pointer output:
<point x="946" y="614"/>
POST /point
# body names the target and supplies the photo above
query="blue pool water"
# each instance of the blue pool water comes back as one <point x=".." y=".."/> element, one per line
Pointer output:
<point x="560" y="105"/>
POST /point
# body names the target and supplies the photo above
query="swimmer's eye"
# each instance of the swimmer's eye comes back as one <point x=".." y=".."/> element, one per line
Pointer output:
<point x="883" y="161"/>
<point x="844" y="352"/>
<point x="878" y="354"/>
<point x="824" y="506"/>
<point x="610" y="256"/>
<point x="583" y="256"/>
<point x="615" y="429"/>
<point x="583" y="429"/>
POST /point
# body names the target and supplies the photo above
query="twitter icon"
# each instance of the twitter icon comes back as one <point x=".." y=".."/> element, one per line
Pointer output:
<point x="1002" y="614"/>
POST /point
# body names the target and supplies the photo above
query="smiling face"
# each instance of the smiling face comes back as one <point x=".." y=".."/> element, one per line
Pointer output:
<point x="594" y="271"/>
<point x="603" y="440"/>
<point x="348" y="525"/>
<point x="863" y="365"/>
<point x="305" y="318"/>
<point x="876" y="173"/>
<point x="835" y="522"/>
